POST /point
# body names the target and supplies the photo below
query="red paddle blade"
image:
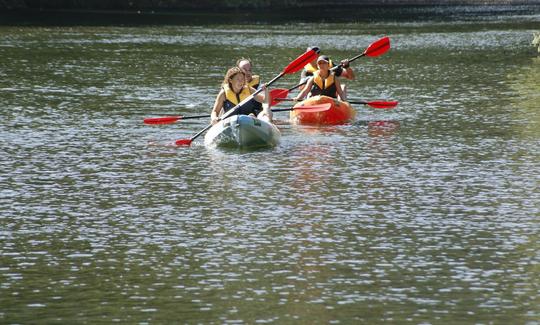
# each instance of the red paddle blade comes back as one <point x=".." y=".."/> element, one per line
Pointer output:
<point x="276" y="94"/>
<point x="161" y="120"/>
<point x="183" y="142"/>
<point x="314" y="108"/>
<point x="381" y="104"/>
<point x="299" y="63"/>
<point x="378" y="47"/>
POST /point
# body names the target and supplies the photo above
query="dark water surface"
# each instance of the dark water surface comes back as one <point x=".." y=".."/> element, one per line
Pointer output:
<point x="428" y="213"/>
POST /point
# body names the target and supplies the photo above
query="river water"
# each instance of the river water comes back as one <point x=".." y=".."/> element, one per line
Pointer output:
<point x="427" y="213"/>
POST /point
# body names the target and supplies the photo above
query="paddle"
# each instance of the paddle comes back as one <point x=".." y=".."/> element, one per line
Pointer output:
<point x="376" y="48"/>
<point x="293" y="67"/>
<point x="276" y="94"/>
<point x="374" y="104"/>
<point x="307" y="108"/>
<point x="172" y="119"/>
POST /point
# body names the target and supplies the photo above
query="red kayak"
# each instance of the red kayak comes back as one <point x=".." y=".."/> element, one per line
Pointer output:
<point x="339" y="113"/>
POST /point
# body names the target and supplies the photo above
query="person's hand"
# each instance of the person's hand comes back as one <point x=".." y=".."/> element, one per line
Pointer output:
<point x="214" y="120"/>
<point x="345" y="63"/>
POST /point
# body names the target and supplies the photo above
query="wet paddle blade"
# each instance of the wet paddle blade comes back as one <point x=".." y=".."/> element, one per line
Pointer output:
<point x="183" y="142"/>
<point x="376" y="103"/>
<point x="277" y="94"/>
<point x="299" y="63"/>
<point x="382" y="104"/>
<point x="161" y="120"/>
<point x="172" y="119"/>
<point x="378" y="47"/>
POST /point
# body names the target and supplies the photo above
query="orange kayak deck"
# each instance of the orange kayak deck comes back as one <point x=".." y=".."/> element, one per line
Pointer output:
<point x="339" y="113"/>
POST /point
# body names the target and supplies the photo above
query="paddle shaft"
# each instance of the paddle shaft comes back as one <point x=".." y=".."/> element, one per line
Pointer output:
<point x="379" y="47"/>
<point x="374" y="104"/>
<point x="332" y="69"/>
<point x="193" y="117"/>
<point x="171" y="119"/>
<point x="273" y="110"/>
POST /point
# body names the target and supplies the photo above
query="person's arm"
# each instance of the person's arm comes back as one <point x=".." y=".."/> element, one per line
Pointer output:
<point x="260" y="97"/>
<point x="348" y="74"/>
<point x="305" y="90"/>
<point x="303" y="74"/>
<point x="339" y="91"/>
<point x="266" y="112"/>
<point x="347" y="70"/>
<point x="218" y="106"/>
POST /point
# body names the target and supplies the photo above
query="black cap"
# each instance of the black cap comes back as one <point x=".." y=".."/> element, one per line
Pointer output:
<point x="323" y="58"/>
<point x="314" y="48"/>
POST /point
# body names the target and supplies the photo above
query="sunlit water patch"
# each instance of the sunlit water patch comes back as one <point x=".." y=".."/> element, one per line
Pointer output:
<point x="423" y="213"/>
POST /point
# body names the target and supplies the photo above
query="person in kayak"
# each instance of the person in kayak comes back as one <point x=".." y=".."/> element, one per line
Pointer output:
<point x="343" y="70"/>
<point x="323" y="82"/>
<point x="251" y="79"/>
<point x="234" y="90"/>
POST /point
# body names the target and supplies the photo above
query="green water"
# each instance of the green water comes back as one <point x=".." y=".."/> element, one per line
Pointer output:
<point x="427" y="213"/>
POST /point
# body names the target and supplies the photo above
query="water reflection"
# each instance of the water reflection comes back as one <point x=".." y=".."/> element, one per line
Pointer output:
<point x="526" y="83"/>
<point x="426" y="213"/>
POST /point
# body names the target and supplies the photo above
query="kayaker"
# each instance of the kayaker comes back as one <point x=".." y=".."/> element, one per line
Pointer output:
<point x="323" y="82"/>
<point x="251" y="79"/>
<point x="234" y="89"/>
<point x="343" y="70"/>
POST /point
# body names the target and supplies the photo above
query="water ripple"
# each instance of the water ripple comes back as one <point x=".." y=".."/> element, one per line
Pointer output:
<point x="424" y="213"/>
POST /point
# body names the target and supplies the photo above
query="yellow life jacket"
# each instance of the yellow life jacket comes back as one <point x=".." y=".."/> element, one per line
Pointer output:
<point x="310" y="68"/>
<point x="254" y="83"/>
<point x="326" y="87"/>
<point x="235" y="98"/>
<point x="323" y="83"/>
<point x="232" y="99"/>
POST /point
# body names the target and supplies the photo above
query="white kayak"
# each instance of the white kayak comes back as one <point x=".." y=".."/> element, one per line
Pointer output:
<point x="242" y="131"/>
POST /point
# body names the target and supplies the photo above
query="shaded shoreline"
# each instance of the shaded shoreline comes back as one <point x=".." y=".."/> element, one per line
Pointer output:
<point x="341" y="13"/>
<point x="218" y="5"/>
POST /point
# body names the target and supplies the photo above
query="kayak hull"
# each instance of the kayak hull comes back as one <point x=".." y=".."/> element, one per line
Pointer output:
<point x="339" y="113"/>
<point x="242" y="131"/>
